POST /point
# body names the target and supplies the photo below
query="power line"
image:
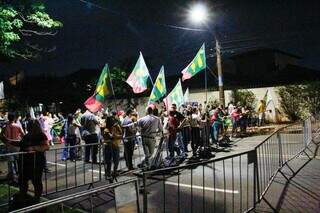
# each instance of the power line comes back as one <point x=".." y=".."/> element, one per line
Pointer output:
<point x="135" y="19"/>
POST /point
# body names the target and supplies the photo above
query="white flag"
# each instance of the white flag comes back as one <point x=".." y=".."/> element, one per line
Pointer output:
<point x="1" y="90"/>
<point x="186" y="95"/>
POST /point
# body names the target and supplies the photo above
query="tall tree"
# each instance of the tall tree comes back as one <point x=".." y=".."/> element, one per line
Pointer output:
<point x="21" y="22"/>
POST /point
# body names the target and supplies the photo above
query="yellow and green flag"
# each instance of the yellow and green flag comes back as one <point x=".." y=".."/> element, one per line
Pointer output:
<point x="159" y="87"/>
<point x="175" y="96"/>
<point x="196" y="65"/>
<point x="103" y="90"/>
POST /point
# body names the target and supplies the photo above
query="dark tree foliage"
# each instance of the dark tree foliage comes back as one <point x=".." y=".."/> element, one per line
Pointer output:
<point x="22" y="22"/>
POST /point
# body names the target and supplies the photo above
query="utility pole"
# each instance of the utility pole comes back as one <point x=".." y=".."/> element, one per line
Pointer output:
<point x="220" y="75"/>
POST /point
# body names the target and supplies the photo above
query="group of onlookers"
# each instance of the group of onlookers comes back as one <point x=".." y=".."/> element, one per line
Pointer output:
<point x="190" y="126"/>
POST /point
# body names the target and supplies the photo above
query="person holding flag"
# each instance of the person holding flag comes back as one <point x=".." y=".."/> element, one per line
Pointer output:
<point x="88" y="120"/>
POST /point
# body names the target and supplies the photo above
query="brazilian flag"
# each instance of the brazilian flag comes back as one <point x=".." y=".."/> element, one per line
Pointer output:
<point x="196" y="65"/>
<point x="159" y="87"/>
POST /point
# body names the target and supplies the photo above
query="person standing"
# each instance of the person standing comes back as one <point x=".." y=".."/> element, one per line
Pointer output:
<point x="112" y="136"/>
<point x="149" y="126"/>
<point x="216" y="120"/>
<point x="71" y="133"/>
<point x="173" y="124"/>
<point x="90" y="124"/>
<point x="47" y="126"/>
<point x="195" y="131"/>
<point x="179" y="137"/>
<point x="32" y="164"/>
<point x="129" y="134"/>
<point x="185" y="130"/>
<point x="230" y="108"/>
<point x="12" y="136"/>
<point x="261" y="112"/>
<point x="235" y="116"/>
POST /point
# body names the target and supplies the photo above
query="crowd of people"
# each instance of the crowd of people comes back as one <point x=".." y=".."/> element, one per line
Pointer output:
<point x="186" y="129"/>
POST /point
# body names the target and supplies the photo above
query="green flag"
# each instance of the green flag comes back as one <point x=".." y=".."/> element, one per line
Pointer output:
<point x="175" y="96"/>
<point x="103" y="90"/>
<point x="159" y="87"/>
<point x="196" y="65"/>
<point x="139" y="76"/>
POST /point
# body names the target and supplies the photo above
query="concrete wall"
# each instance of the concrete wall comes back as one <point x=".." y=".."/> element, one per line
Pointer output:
<point x="200" y="97"/>
<point x="273" y="104"/>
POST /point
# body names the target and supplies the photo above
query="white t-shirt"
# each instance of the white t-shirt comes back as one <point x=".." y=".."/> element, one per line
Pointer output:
<point x="230" y="108"/>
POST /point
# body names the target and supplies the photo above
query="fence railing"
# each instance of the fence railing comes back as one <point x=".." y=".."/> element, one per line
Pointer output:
<point x="60" y="172"/>
<point x="125" y="195"/>
<point x="229" y="184"/>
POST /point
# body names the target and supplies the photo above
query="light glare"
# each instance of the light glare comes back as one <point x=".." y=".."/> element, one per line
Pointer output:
<point x="198" y="13"/>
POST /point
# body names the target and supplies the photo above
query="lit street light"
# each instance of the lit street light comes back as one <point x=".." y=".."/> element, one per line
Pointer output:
<point x="198" y="14"/>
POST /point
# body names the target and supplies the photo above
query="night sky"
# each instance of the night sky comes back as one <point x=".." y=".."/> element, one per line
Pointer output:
<point x="96" y="32"/>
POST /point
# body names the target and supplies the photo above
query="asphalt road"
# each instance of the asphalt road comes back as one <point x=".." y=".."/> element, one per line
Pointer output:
<point x="224" y="186"/>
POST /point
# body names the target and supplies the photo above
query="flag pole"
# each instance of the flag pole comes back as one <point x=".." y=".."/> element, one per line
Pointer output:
<point x="114" y="95"/>
<point x="151" y="80"/>
<point x="206" y="84"/>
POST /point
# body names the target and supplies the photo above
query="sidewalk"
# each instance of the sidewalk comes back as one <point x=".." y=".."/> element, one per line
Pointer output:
<point x="300" y="194"/>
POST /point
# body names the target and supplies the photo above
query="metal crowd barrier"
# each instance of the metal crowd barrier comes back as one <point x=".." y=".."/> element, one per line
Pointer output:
<point x="219" y="185"/>
<point x="66" y="174"/>
<point x="121" y="197"/>
<point x="229" y="184"/>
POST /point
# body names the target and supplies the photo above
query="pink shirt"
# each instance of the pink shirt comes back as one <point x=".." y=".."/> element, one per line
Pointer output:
<point x="235" y="115"/>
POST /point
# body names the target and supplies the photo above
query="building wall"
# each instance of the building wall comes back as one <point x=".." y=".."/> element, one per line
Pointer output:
<point x="200" y="97"/>
<point x="273" y="100"/>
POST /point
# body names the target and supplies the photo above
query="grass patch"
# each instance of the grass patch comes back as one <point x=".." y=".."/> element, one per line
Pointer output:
<point x="4" y="196"/>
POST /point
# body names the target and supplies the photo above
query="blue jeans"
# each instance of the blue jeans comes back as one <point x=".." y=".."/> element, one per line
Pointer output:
<point x="91" y="149"/>
<point x="12" y="164"/>
<point x="180" y="143"/>
<point x="69" y="152"/>
<point x="111" y="154"/>
<point x="216" y="131"/>
<point x="234" y="126"/>
<point x="12" y="167"/>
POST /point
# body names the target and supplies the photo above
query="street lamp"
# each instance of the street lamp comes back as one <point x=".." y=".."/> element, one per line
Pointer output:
<point x="198" y="14"/>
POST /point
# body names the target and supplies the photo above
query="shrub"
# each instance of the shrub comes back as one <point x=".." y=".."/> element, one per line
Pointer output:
<point x="245" y="98"/>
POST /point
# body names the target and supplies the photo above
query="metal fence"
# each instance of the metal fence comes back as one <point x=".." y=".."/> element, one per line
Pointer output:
<point x="219" y="185"/>
<point x="119" y="196"/>
<point x="229" y="184"/>
<point x="62" y="174"/>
